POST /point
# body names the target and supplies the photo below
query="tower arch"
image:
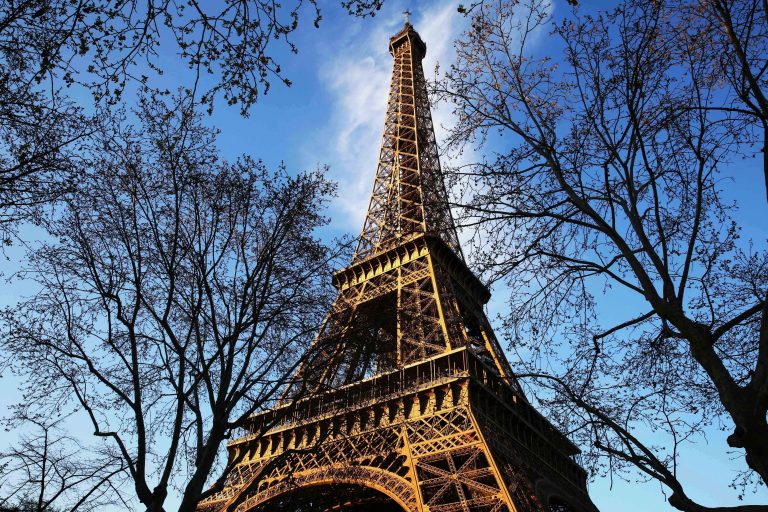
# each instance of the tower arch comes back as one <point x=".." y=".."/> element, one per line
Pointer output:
<point x="356" y="485"/>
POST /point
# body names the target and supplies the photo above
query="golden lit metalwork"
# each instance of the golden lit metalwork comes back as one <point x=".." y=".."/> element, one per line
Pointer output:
<point x="406" y="400"/>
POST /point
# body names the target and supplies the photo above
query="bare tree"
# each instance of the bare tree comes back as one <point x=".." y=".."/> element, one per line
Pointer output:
<point x="46" y="471"/>
<point x="604" y="153"/>
<point x="50" y="48"/>
<point x="105" y="44"/>
<point x="178" y="298"/>
<point x="734" y="36"/>
<point x="39" y="130"/>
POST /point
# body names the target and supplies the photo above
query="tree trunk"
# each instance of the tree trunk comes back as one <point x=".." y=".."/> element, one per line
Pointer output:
<point x="751" y="434"/>
<point x="194" y="488"/>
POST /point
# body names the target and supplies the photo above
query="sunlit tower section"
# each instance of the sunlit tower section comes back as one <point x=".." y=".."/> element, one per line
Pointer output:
<point x="405" y="400"/>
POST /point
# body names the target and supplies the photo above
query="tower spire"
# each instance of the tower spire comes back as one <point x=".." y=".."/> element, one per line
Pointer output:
<point x="409" y="196"/>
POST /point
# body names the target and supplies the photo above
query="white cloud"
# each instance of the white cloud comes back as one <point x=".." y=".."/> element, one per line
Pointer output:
<point x="439" y="29"/>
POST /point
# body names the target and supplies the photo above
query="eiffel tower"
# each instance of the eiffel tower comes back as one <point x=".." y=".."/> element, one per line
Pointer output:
<point x="406" y="401"/>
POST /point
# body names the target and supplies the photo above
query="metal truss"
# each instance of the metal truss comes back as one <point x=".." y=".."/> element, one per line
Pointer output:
<point x="406" y="400"/>
<point x="443" y="435"/>
<point x="409" y="196"/>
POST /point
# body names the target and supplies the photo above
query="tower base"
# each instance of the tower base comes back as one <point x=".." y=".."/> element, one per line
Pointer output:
<point x="442" y="435"/>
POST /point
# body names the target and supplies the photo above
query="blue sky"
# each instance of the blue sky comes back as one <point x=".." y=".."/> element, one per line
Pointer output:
<point x="333" y="114"/>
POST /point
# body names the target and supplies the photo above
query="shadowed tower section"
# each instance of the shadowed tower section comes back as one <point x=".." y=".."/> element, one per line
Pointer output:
<point x="405" y="401"/>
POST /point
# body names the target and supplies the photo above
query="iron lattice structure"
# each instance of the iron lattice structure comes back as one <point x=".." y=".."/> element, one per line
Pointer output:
<point x="406" y="400"/>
